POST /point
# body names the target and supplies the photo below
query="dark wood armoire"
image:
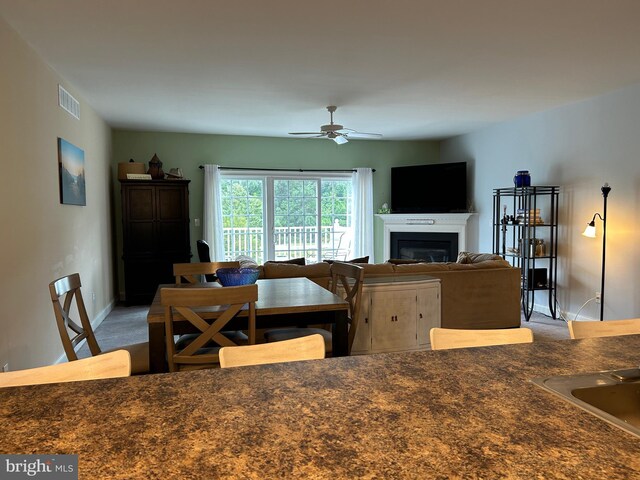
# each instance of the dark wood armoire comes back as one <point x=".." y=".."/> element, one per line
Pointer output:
<point x="155" y="224"/>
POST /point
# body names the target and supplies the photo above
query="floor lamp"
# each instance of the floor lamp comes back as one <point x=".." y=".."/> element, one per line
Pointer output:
<point x="590" y="232"/>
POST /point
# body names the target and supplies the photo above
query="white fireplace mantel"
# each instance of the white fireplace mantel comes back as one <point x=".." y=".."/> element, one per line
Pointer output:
<point x="425" y="222"/>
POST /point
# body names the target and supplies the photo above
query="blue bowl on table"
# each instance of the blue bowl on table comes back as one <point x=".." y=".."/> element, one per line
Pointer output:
<point x="233" y="277"/>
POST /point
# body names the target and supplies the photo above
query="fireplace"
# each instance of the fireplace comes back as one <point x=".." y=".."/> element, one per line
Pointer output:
<point x="424" y="246"/>
<point x="430" y="223"/>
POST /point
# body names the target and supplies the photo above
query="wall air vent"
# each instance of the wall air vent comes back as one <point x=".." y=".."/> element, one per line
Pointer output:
<point x="68" y="103"/>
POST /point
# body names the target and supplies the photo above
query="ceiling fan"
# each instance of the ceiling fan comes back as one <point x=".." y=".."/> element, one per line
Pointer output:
<point x="336" y="132"/>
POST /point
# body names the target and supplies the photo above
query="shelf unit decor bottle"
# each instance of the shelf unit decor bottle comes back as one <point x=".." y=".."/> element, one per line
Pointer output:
<point x="525" y="232"/>
<point x="155" y="225"/>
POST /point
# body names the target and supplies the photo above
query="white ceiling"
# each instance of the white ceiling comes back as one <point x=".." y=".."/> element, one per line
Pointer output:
<point x="408" y="69"/>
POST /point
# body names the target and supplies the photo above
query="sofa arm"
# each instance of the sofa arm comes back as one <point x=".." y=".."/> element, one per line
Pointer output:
<point x="491" y="298"/>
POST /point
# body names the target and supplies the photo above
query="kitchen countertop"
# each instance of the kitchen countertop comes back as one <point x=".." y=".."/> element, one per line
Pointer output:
<point x="469" y="413"/>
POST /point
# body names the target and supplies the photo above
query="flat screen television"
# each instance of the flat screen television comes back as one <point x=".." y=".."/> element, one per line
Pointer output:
<point x="435" y="188"/>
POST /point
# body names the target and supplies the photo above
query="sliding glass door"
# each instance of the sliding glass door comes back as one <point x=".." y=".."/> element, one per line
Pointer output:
<point x="281" y="218"/>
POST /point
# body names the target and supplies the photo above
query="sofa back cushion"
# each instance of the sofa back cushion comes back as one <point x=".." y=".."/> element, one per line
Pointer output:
<point x="371" y="269"/>
<point x="420" y="268"/>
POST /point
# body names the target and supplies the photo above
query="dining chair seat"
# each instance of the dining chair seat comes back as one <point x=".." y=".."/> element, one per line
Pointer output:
<point x="64" y="291"/>
<point x="236" y="336"/>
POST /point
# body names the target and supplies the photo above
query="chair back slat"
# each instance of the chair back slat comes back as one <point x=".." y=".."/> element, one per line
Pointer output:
<point x="108" y="365"/>
<point x="447" y="338"/>
<point x="193" y="272"/>
<point x="606" y="328"/>
<point x="310" y="347"/>
<point x="188" y="303"/>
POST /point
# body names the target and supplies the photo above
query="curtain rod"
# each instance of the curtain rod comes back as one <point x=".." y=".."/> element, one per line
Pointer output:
<point x="201" y="167"/>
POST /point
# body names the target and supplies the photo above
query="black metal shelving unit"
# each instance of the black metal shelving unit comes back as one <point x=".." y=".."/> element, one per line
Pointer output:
<point x="517" y="238"/>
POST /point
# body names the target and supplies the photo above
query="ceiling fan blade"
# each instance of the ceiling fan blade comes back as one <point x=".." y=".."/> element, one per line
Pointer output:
<point x="352" y="132"/>
<point x="306" y="133"/>
<point x="364" y="134"/>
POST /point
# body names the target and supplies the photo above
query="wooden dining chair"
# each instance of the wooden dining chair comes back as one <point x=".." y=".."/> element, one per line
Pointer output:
<point x="347" y="277"/>
<point x="203" y="251"/>
<point x="109" y="365"/>
<point x="191" y="304"/>
<point x="194" y="272"/>
<point x="447" y="338"/>
<point x="310" y="347"/>
<point x="63" y="292"/>
<point x="606" y="328"/>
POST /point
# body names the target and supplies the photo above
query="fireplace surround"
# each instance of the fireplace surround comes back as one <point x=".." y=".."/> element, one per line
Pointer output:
<point x="438" y="223"/>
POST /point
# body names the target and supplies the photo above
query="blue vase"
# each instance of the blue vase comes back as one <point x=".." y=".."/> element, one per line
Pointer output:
<point x="522" y="179"/>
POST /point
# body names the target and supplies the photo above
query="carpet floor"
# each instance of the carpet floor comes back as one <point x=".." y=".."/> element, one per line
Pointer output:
<point x="126" y="325"/>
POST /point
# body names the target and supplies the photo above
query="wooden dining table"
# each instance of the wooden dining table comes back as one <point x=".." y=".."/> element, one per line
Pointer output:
<point x="282" y="302"/>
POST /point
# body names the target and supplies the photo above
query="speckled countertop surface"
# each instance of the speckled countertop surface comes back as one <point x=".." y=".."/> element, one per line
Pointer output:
<point x="469" y="413"/>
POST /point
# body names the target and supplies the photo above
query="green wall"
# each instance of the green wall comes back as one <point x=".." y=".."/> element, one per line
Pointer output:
<point x="188" y="151"/>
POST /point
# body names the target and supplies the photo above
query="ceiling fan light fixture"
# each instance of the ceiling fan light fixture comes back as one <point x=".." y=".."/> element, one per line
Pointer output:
<point x="340" y="139"/>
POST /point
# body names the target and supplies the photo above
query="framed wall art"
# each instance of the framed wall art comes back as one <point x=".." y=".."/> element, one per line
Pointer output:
<point x="72" y="175"/>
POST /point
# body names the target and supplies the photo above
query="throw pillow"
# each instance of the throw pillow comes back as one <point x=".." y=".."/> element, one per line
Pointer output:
<point x="469" y="257"/>
<point x="355" y="260"/>
<point x="463" y="257"/>
<point x="293" y="261"/>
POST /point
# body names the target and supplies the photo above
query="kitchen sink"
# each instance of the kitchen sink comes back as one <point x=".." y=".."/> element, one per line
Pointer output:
<point x="613" y="396"/>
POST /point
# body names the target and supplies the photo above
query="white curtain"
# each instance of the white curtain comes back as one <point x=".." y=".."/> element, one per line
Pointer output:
<point x="362" y="180"/>
<point x="212" y="221"/>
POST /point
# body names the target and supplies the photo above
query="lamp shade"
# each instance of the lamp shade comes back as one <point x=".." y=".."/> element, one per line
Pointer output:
<point x="590" y="231"/>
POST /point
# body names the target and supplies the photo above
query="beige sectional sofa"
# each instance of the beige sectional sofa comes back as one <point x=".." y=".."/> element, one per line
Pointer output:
<point x="482" y="294"/>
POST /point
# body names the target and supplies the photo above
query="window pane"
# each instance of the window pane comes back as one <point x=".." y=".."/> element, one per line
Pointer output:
<point x="336" y="219"/>
<point x="242" y="218"/>
<point x="295" y="220"/>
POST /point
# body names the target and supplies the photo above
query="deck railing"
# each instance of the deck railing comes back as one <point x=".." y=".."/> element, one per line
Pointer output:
<point x="290" y="242"/>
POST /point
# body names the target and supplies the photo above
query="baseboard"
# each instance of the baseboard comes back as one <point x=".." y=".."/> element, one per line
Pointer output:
<point x="560" y="314"/>
<point x="95" y="323"/>
<point x="543" y="309"/>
